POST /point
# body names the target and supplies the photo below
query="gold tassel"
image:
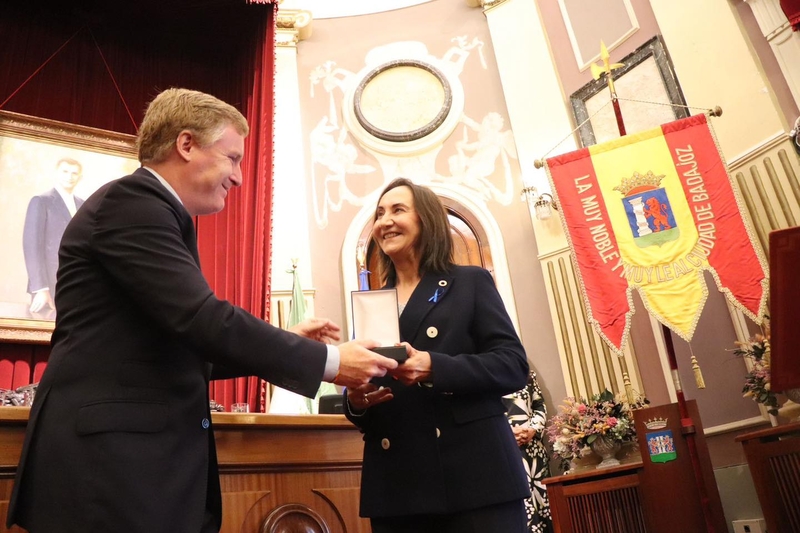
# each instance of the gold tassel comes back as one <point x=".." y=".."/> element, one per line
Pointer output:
<point x="628" y="389"/>
<point x="698" y="374"/>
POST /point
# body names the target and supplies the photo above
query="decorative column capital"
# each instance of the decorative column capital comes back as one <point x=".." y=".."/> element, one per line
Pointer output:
<point x="292" y="26"/>
<point x="485" y="4"/>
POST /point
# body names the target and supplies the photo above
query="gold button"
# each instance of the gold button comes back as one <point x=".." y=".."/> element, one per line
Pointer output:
<point x="443" y="283"/>
<point x="385" y="444"/>
<point x="432" y="332"/>
<point x="438" y="433"/>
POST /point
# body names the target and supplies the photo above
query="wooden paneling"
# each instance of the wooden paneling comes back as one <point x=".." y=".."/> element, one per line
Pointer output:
<point x="266" y="462"/>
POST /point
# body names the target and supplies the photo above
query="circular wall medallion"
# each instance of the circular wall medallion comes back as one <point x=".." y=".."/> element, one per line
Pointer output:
<point x="402" y="100"/>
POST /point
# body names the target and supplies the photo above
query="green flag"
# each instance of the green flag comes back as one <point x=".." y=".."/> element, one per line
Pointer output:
<point x="297" y="313"/>
<point x="297" y="307"/>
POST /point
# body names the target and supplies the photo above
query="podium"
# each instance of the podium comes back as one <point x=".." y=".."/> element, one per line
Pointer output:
<point x="276" y="471"/>
<point x="646" y="496"/>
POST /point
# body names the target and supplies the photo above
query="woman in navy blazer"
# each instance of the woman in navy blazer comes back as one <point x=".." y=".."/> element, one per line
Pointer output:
<point x="439" y="455"/>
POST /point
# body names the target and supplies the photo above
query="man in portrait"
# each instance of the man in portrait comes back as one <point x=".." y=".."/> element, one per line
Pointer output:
<point x="45" y="221"/>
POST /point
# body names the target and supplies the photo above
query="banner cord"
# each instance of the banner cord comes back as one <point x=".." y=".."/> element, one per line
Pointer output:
<point x="715" y="112"/>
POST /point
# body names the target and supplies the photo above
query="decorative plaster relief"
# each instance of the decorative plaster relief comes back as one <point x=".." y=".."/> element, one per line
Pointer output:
<point x="401" y="108"/>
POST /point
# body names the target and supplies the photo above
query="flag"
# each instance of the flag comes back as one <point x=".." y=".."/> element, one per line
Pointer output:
<point x="284" y="401"/>
<point x="297" y="307"/>
<point x="363" y="279"/>
<point x="652" y="211"/>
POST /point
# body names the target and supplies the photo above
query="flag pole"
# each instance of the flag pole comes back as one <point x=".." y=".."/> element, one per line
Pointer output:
<point x="688" y="429"/>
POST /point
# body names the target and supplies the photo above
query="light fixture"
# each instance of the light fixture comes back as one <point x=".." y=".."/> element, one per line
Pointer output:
<point x="544" y="205"/>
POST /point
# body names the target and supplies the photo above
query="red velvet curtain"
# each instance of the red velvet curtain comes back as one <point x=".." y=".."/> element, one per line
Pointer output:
<point x="792" y="10"/>
<point x="234" y="244"/>
<point x="22" y="364"/>
<point x="98" y="63"/>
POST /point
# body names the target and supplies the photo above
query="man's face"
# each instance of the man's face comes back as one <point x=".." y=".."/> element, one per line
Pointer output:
<point x="216" y="168"/>
<point x="68" y="175"/>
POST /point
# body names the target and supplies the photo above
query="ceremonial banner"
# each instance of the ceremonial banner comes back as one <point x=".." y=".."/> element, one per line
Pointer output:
<point x="652" y="211"/>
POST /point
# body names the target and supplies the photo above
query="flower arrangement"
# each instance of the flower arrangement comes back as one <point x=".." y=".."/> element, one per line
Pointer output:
<point x="580" y="422"/>
<point x="757" y="380"/>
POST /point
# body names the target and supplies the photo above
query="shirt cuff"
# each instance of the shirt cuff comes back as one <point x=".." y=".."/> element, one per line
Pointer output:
<point x="331" y="364"/>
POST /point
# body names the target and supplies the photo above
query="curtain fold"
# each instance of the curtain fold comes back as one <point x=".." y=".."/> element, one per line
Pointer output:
<point x="234" y="244"/>
<point x="88" y="67"/>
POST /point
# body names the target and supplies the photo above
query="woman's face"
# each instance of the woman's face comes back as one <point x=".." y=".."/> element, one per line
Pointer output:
<point x="397" y="226"/>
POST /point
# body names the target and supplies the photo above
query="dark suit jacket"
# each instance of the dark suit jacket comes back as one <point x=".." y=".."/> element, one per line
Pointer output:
<point x="448" y="447"/>
<point x="45" y="221"/>
<point x="119" y="436"/>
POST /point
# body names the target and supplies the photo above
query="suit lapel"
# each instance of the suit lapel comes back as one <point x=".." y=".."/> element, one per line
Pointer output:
<point x="60" y="206"/>
<point x="188" y="231"/>
<point x="430" y="291"/>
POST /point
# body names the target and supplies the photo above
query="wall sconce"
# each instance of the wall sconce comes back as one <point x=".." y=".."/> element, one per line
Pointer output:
<point x="542" y="204"/>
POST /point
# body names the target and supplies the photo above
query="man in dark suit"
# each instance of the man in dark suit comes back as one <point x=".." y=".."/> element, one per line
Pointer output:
<point x="45" y="221"/>
<point x="119" y="437"/>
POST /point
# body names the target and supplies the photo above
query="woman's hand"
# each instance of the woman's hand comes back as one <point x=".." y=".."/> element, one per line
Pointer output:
<point x="416" y="369"/>
<point x="367" y="395"/>
<point x="523" y="434"/>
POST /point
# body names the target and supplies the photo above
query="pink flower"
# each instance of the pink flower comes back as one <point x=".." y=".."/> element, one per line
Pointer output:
<point x="612" y="421"/>
<point x="582" y="409"/>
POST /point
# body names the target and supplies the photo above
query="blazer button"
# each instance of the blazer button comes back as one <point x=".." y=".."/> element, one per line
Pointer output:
<point x="438" y="433"/>
<point x="206" y="423"/>
<point x="443" y="283"/>
<point x="432" y="332"/>
<point x="385" y="444"/>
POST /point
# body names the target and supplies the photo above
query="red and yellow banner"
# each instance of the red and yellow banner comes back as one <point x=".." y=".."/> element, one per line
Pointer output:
<point x="653" y="211"/>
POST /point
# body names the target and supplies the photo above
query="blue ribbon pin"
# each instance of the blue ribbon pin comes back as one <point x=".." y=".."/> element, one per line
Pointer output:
<point x="435" y="297"/>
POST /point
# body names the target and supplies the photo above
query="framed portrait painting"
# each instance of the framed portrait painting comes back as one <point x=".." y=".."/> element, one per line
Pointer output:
<point x="648" y="92"/>
<point x="47" y="170"/>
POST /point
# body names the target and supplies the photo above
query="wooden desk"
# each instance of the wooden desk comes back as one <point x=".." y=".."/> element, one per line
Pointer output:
<point x="773" y="455"/>
<point x="268" y="463"/>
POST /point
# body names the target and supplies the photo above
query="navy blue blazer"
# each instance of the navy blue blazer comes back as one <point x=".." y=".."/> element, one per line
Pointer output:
<point x="45" y="221"/>
<point x="448" y="447"/>
<point x="119" y="437"/>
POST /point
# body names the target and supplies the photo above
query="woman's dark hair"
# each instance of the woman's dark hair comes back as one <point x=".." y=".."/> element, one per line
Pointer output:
<point x="435" y="245"/>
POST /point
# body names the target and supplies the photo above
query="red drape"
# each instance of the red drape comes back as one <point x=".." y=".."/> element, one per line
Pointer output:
<point x="234" y="244"/>
<point x="791" y="9"/>
<point x="98" y="64"/>
<point x="22" y="364"/>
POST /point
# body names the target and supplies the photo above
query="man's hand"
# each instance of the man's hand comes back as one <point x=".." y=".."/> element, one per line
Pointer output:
<point x="358" y="365"/>
<point x="41" y="300"/>
<point x="318" y="329"/>
<point x="416" y="369"/>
